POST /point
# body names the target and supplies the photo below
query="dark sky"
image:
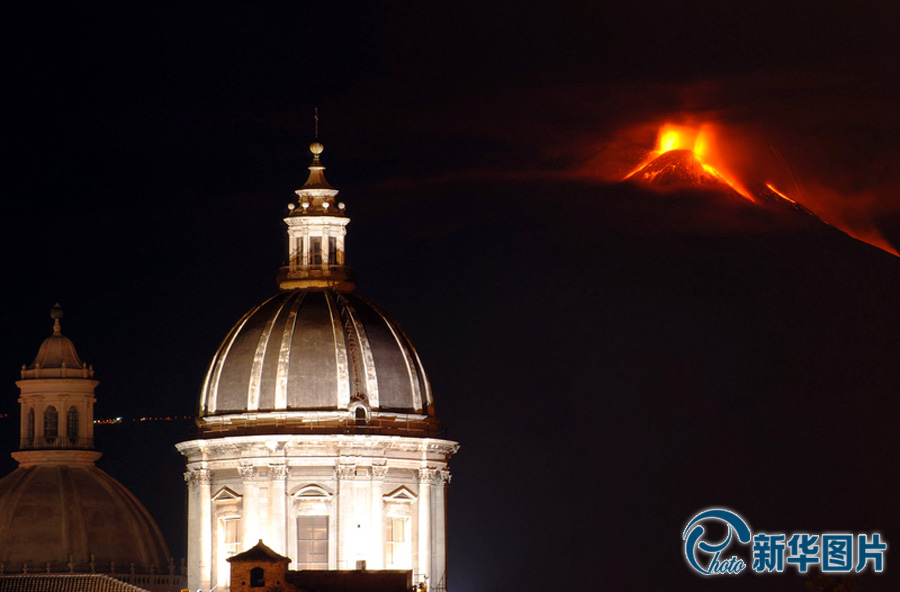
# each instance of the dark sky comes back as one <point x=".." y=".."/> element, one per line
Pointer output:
<point x="611" y="361"/>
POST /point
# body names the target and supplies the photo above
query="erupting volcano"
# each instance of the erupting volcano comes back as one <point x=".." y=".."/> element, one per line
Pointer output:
<point x="681" y="160"/>
<point x="685" y="159"/>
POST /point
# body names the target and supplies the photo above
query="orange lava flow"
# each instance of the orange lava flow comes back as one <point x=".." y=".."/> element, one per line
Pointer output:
<point x="778" y="193"/>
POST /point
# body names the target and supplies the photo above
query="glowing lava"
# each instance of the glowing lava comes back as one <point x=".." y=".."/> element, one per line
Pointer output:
<point x="778" y="193"/>
<point x="698" y="143"/>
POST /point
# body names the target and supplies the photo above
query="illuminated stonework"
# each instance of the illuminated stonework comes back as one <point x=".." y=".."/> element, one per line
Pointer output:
<point x="318" y="432"/>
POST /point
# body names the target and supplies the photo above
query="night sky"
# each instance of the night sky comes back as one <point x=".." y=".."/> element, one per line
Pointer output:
<point x="611" y="360"/>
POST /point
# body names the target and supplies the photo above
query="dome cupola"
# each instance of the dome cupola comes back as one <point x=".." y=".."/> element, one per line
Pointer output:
<point x="317" y="227"/>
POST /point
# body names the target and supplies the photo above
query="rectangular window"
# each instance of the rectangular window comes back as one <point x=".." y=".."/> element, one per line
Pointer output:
<point x="72" y="424"/>
<point x="332" y="251"/>
<point x="396" y="551"/>
<point x="297" y="253"/>
<point x="232" y="536"/>
<point x="312" y="542"/>
<point x="315" y="250"/>
<point x="51" y="424"/>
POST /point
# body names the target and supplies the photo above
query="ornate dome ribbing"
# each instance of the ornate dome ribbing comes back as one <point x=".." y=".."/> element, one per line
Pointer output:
<point x="315" y="350"/>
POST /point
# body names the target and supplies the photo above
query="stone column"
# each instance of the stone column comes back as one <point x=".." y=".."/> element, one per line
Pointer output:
<point x="376" y="513"/>
<point x="423" y="532"/>
<point x="250" y="513"/>
<point x="199" y="529"/>
<point x="278" y="508"/>
<point x="439" y="530"/>
<point x="346" y="558"/>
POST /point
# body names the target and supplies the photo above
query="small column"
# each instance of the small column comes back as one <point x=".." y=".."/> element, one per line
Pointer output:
<point x="250" y="513"/>
<point x="346" y="557"/>
<point x="423" y="563"/>
<point x="199" y="529"/>
<point x="439" y="530"/>
<point x="376" y="513"/>
<point x="278" y="508"/>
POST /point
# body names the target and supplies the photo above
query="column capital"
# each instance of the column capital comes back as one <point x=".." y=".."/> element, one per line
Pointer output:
<point x="198" y="476"/>
<point x="247" y="472"/>
<point x="279" y="472"/>
<point x="434" y="475"/>
<point x="345" y="471"/>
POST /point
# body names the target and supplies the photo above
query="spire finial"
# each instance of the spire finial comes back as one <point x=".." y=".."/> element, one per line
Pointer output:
<point x="316" y="147"/>
<point x="56" y="313"/>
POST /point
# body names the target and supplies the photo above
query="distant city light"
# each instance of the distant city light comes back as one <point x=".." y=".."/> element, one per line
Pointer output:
<point x="114" y="420"/>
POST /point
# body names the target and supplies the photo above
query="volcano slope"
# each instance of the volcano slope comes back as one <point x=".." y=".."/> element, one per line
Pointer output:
<point x="642" y="356"/>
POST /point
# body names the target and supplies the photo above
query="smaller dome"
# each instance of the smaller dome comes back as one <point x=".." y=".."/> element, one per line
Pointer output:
<point x="57" y="357"/>
<point x="57" y="351"/>
<point x="51" y="513"/>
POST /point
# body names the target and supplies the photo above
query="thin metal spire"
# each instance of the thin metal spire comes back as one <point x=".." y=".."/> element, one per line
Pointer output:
<point x="317" y="123"/>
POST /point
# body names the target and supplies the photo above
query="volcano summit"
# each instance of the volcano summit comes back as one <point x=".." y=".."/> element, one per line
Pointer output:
<point x="681" y="169"/>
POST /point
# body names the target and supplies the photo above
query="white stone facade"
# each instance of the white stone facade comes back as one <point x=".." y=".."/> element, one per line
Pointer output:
<point x="370" y="498"/>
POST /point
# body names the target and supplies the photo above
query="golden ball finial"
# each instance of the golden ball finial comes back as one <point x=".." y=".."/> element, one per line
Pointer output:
<point x="316" y="148"/>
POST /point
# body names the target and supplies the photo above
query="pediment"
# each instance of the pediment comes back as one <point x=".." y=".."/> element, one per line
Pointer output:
<point x="401" y="494"/>
<point x="226" y="495"/>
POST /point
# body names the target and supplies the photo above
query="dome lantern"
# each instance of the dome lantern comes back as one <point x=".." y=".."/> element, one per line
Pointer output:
<point x="317" y="230"/>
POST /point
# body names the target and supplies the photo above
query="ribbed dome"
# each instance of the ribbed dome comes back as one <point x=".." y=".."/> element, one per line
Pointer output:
<point x="315" y="350"/>
<point x="57" y="357"/>
<point x="48" y="513"/>
<point x="57" y="351"/>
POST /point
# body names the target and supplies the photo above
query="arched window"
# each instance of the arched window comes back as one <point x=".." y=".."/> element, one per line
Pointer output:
<point x="360" y="415"/>
<point x="257" y="578"/>
<point x="72" y="424"/>
<point x="51" y="424"/>
<point x="29" y="428"/>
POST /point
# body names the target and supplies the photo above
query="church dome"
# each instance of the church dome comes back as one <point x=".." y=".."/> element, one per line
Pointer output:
<point x="49" y="513"/>
<point x="317" y="356"/>
<point x="316" y="350"/>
